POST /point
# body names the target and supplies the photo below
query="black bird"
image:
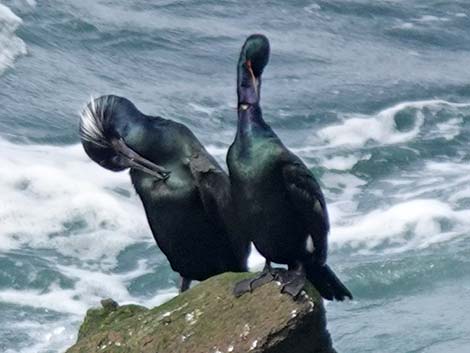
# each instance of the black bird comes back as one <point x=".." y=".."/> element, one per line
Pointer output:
<point x="280" y="204"/>
<point x="185" y="193"/>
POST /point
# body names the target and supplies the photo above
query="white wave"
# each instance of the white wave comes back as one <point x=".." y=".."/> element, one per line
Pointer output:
<point x="47" y="337"/>
<point x="408" y="225"/>
<point x="424" y="207"/>
<point x="380" y="128"/>
<point x="56" y="299"/>
<point x="435" y="178"/>
<point x="11" y="46"/>
<point x="404" y="25"/>
<point x="312" y="8"/>
<point x="343" y="189"/>
<point x="89" y="289"/>
<point x="56" y="198"/>
<point x="449" y="129"/>
<point x="202" y="108"/>
<point x="343" y="162"/>
<point x="431" y="18"/>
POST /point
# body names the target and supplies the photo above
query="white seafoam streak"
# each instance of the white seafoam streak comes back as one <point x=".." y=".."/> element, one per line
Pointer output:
<point x="11" y="46"/>
<point x="356" y="131"/>
<point x="414" y="219"/>
<point x="46" y="190"/>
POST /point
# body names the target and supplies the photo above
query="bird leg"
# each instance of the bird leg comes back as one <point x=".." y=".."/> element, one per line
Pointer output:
<point x="292" y="280"/>
<point x="248" y="285"/>
<point x="185" y="284"/>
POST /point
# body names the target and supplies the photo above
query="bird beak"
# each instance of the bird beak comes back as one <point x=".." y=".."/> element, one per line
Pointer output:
<point x="253" y="77"/>
<point x="136" y="161"/>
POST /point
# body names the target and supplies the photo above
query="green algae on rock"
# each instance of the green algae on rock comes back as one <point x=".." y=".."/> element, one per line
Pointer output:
<point x="209" y="319"/>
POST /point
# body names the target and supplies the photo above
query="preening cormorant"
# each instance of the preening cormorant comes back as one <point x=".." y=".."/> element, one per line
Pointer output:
<point x="184" y="191"/>
<point x="279" y="203"/>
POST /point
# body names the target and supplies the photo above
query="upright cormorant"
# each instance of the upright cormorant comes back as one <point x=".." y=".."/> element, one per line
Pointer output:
<point x="184" y="191"/>
<point x="279" y="203"/>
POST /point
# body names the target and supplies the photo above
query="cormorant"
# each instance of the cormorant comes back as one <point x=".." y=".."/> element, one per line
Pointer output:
<point x="184" y="191"/>
<point x="279" y="203"/>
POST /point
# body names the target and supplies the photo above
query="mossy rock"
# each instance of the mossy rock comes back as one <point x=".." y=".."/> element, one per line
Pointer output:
<point x="209" y="319"/>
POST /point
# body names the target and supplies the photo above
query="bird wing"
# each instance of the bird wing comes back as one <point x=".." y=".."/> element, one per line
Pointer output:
<point x="213" y="186"/>
<point x="306" y="197"/>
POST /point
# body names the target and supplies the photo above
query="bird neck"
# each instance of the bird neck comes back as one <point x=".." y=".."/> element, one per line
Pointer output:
<point x="146" y="135"/>
<point x="250" y="121"/>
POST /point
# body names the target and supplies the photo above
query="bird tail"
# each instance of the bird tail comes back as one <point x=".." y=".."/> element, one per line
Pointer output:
<point x="326" y="282"/>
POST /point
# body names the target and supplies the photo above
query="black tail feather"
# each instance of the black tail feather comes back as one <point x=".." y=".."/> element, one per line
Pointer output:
<point x="327" y="283"/>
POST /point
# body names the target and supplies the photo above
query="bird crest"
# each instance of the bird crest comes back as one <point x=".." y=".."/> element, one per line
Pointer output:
<point x="93" y="120"/>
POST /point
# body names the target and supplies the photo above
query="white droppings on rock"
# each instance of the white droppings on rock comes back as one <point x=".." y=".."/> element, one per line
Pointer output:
<point x="253" y="345"/>
<point x="191" y="317"/>
<point x="245" y="332"/>
<point x="293" y="313"/>
<point x="168" y="313"/>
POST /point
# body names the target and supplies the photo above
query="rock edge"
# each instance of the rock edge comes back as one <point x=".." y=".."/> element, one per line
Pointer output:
<point x="209" y="319"/>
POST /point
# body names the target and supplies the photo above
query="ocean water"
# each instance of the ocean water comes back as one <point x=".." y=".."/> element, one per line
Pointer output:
<point x="373" y="95"/>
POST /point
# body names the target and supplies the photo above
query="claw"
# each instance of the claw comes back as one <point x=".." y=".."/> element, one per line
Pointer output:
<point x="242" y="287"/>
<point x="293" y="283"/>
<point x="250" y="284"/>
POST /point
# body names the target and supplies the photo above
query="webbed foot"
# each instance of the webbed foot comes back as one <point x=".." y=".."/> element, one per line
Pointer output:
<point x="292" y="280"/>
<point x="250" y="284"/>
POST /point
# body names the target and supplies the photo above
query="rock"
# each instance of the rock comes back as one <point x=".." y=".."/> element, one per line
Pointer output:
<point x="209" y="319"/>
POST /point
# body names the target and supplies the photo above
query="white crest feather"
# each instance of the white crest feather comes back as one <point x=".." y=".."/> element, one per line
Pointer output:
<point x="93" y="120"/>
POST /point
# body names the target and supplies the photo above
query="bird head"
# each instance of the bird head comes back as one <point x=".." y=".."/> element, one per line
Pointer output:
<point x="104" y="125"/>
<point x="254" y="57"/>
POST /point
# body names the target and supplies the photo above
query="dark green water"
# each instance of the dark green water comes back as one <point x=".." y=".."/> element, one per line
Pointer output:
<point x="373" y="95"/>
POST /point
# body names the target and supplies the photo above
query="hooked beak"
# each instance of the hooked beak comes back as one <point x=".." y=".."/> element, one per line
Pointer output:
<point x="253" y="77"/>
<point x="136" y="161"/>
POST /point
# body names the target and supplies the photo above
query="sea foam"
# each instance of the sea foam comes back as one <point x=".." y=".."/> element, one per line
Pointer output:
<point x="407" y="225"/>
<point x="11" y="46"/>
<point x="356" y="130"/>
<point x="56" y="198"/>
